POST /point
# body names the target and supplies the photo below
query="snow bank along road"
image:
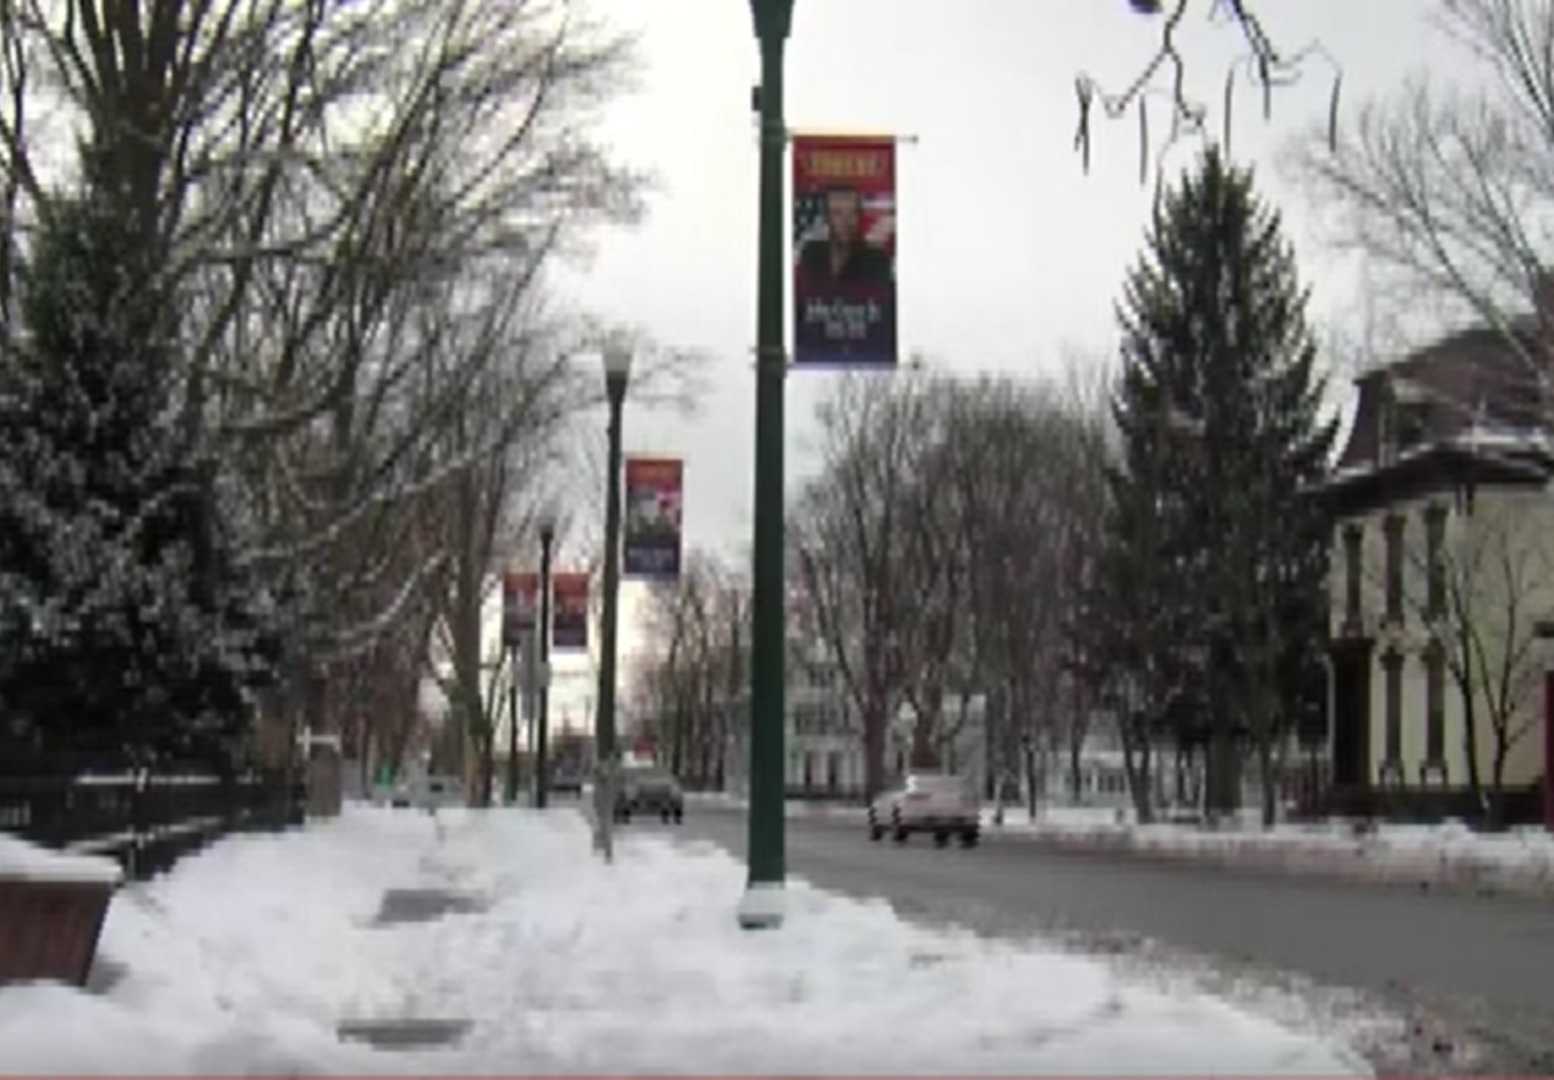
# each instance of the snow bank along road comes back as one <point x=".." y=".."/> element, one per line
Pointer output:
<point x="1480" y="965"/>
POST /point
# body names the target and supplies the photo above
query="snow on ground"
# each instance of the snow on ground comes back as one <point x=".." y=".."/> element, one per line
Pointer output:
<point x="247" y="956"/>
<point x="1519" y="859"/>
<point x="28" y="862"/>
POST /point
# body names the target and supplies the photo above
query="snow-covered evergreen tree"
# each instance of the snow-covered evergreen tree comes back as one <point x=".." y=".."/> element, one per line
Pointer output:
<point x="125" y="630"/>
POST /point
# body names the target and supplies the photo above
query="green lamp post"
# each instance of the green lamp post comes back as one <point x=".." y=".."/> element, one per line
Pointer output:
<point x="762" y="905"/>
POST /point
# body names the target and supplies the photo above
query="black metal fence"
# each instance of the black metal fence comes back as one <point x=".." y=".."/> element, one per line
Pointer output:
<point x="146" y="819"/>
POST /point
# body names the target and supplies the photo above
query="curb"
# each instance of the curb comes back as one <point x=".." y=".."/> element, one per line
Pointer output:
<point x="1371" y="861"/>
<point x="1368" y="862"/>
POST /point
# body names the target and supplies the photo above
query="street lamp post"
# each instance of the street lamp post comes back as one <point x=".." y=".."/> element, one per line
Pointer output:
<point x="617" y="369"/>
<point x="512" y="717"/>
<point x="762" y="905"/>
<point x="542" y="690"/>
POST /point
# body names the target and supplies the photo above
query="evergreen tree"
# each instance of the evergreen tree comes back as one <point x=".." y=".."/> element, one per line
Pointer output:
<point x="125" y="632"/>
<point x="1219" y="412"/>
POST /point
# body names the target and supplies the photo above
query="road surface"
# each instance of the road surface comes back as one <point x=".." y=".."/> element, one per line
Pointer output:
<point x="1483" y="966"/>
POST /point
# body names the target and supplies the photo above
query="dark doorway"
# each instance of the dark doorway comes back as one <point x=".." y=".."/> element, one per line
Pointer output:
<point x="1351" y="724"/>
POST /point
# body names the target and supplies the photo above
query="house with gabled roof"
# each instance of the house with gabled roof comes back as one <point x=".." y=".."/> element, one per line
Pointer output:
<point x="1442" y="580"/>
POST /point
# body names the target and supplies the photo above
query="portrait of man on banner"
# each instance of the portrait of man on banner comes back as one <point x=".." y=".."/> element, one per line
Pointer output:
<point x="653" y="510"/>
<point x="844" y="206"/>
<point x="570" y="628"/>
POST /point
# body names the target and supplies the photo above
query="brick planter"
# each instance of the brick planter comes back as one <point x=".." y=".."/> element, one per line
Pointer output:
<point x="52" y="907"/>
<point x="49" y="928"/>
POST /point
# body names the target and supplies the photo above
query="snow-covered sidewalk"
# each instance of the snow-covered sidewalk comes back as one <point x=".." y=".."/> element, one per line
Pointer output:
<point x="1519" y="861"/>
<point x="250" y="955"/>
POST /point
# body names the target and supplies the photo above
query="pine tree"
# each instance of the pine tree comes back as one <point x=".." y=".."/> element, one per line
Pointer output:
<point x="1219" y="411"/>
<point x="125" y="631"/>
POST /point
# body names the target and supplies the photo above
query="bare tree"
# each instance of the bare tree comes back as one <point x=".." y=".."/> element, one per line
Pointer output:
<point x="932" y="552"/>
<point x="1014" y="483"/>
<point x="307" y="184"/>
<point x="1480" y="592"/>
<point x="15" y="67"/>
<point x="848" y="536"/>
<point x="514" y="417"/>
<point x="935" y="636"/>
<point x="690" y="685"/>
<point x="325" y="194"/>
<point x="1449" y="189"/>
<point x="1086" y="447"/>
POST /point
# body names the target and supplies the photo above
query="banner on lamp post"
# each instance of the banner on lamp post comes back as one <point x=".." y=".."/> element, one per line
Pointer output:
<point x="520" y="606"/>
<point x="654" y="499"/>
<point x="844" y="251"/>
<point x="569" y="625"/>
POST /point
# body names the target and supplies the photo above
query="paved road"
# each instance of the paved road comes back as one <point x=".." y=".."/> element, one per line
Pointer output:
<point x="1483" y="964"/>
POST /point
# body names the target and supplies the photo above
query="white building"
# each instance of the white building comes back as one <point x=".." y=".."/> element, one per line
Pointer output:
<point x="1444" y="516"/>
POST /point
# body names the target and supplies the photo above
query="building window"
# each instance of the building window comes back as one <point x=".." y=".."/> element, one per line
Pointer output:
<point x="1352" y="555"/>
<point x="806" y="718"/>
<point x="809" y="769"/>
<point x="834" y="770"/>
<point x="1393" y="530"/>
<point x="1386" y="434"/>
<point x="1435" y="705"/>
<point x="1392" y="664"/>
<point x="1409" y="422"/>
<point x="1435" y="542"/>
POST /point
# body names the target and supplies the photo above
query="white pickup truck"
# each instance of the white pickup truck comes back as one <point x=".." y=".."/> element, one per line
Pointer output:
<point x="937" y="803"/>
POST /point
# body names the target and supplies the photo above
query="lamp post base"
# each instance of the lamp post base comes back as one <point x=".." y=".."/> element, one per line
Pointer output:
<point x="762" y="906"/>
<point x="604" y="811"/>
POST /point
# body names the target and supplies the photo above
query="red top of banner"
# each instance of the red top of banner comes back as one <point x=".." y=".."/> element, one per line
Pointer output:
<point x="571" y="587"/>
<point x="654" y="470"/>
<point x="516" y="581"/>
<point x="850" y="161"/>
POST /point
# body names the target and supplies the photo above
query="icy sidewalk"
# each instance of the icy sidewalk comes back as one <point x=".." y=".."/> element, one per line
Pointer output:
<point x="249" y="956"/>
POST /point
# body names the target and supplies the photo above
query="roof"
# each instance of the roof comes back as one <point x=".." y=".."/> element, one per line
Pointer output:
<point x="1468" y="404"/>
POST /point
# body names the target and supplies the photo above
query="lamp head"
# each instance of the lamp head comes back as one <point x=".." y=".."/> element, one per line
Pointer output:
<point x="617" y="362"/>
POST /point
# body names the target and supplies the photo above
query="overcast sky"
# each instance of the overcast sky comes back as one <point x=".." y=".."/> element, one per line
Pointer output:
<point x="1009" y="257"/>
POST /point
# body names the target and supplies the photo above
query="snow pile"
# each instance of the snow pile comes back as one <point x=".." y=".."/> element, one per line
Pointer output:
<point x="247" y="957"/>
<point x="1519" y="860"/>
<point x="29" y="862"/>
